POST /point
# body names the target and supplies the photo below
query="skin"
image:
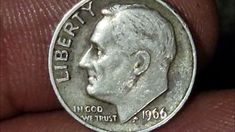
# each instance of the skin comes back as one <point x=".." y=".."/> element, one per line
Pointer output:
<point x="27" y="101"/>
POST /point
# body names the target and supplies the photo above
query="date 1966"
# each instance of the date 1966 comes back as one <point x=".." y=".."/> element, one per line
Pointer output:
<point x="154" y="114"/>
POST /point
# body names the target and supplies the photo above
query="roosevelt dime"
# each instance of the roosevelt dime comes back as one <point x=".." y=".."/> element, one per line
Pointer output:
<point x="122" y="65"/>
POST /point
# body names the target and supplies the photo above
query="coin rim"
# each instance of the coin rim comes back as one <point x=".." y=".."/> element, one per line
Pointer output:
<point x="50" y="59"/>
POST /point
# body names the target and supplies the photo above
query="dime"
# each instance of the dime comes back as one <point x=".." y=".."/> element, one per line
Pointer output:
<point x="122" y="65"/>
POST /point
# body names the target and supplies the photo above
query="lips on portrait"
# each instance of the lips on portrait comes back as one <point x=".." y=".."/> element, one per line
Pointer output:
<point x="92" y="77"/>
<point x="92" y="80"/>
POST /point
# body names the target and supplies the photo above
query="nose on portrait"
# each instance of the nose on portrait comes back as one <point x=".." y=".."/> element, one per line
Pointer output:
<point x="85" y="61"/>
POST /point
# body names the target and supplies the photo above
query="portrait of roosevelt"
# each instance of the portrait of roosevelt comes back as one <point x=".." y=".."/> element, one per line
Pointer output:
<point x="132" y="48"/>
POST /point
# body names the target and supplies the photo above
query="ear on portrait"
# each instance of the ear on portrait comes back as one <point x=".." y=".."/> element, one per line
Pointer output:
<point x="142" y="62"/>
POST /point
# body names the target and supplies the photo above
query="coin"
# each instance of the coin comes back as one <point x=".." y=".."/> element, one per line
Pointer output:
<point x="122" y="65"/>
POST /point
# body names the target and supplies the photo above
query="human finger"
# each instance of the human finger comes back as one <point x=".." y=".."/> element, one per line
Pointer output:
<point x="26" y="34"/>
<point x="209" y="111"/>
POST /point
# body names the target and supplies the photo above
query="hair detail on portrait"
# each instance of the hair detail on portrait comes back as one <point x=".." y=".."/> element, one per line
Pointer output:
<point x="111" y="11"/>
<point x="132" y="48"/>
<point x="149" y="29"/>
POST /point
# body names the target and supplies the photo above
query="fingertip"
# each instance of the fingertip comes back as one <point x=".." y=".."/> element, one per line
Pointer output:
<point x="201" y="17"/>
<point x="208" y="111"/>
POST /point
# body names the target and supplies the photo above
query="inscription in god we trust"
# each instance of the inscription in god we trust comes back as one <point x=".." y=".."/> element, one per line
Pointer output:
<point x="94" y="113"/>
<point x="69" y="28"/>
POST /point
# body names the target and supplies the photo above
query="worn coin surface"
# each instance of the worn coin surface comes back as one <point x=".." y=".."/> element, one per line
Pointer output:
<point x="122" y="65"/>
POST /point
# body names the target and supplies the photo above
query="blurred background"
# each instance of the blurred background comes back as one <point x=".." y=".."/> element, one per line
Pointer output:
<point x="220" y="73"/>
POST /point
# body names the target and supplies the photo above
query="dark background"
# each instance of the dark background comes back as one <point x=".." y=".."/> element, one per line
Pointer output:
<point x="220" y="72"/>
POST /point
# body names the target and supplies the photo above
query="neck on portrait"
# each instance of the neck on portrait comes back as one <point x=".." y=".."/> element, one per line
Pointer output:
<point x="148" y="87"/>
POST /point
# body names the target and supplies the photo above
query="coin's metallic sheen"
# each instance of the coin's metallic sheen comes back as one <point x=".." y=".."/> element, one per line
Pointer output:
<point x="122" y="65"/>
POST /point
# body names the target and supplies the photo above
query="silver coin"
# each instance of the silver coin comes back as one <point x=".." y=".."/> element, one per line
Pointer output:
<point x="122" y="65"/>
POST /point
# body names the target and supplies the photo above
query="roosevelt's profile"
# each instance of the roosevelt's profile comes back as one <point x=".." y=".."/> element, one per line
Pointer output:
<point x="131" y="50"/>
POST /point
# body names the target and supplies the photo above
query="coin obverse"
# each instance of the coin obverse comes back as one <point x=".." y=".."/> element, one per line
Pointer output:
<point x="122" y="65"/>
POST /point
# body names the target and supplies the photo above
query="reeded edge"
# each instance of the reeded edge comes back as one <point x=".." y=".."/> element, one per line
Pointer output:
<point x="50" y="58"/>
<point x="194" y="69"/>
